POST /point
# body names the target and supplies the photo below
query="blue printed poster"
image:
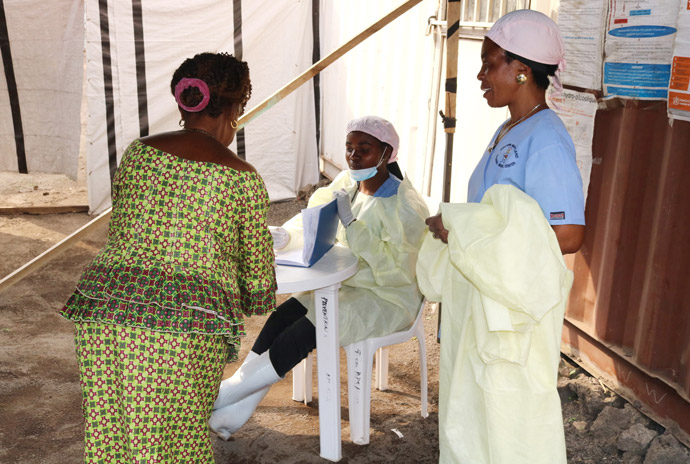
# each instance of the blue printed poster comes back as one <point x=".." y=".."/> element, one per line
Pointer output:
<point x="638" y="49"/>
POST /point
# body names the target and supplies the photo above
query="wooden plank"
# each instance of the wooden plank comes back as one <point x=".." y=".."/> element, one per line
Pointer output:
<point x="55" y="209"/>
<point x="53" y="252"/>
<point x="453" y="21"/>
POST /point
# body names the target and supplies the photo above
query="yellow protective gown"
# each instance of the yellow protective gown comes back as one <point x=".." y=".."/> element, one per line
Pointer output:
<point x="504" y="286"/>
<point x="383" y="296"/>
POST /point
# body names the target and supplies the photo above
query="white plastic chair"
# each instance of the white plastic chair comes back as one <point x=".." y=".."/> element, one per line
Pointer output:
<point x="360" y="356"/>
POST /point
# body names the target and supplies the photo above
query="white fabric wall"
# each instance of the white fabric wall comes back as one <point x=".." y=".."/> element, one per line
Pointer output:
<point x="476" y="123"/>
<point x="389" y="75"/>
<point x="46" y="43"/>
<point x="277" y="45"/>
<point x="281" y="142"/>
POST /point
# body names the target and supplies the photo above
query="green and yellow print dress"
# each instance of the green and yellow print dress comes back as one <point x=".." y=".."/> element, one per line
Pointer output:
<point x="160" y="309"/>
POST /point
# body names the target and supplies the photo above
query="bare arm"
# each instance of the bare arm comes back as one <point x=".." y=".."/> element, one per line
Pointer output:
<point x="570" y="237"/>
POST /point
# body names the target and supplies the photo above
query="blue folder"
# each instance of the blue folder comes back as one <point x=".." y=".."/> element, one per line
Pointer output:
<point x="320" y="224"/>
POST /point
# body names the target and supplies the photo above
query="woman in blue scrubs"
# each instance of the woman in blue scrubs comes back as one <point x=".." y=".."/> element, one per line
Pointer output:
<point x="502" y="279"/>
<point x="532" y="150"/>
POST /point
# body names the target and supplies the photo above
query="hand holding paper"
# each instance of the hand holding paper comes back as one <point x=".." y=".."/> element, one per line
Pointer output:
<point x="344" y="209"/>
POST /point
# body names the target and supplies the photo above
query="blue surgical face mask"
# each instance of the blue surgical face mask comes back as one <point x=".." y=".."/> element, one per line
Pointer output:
<point x="360" y="175"/>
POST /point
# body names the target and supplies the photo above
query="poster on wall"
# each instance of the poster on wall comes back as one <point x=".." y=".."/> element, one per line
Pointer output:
<point x="582" y="26"/>
<point x="638" y="48"/>
<point x="679" y="85"/>
<point x="577" y="111"/>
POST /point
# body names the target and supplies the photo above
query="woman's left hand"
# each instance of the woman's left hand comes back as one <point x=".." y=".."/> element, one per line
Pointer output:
<point x="436" y="228"/>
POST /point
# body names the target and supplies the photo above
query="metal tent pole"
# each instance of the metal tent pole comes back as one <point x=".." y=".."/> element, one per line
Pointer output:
<point x="449" y="119"/>
<point x="448" y="116"/>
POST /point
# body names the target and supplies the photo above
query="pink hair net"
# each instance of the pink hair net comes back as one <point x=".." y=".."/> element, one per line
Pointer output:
<point x="532" y="35"/>
<point x="379" y="128"/>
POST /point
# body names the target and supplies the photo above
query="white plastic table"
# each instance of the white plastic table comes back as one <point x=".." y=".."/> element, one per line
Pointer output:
<point x="324" y="277"/>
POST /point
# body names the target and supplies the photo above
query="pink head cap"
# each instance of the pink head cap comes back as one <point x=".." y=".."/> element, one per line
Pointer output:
<point x="187" y="82"/>
<point x="378" y="128"/>
<point x="532" y="35"/>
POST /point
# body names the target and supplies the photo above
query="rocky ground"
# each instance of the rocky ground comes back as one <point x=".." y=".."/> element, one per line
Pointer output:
<point x="601" y="427"/>
<point x="40" y="397"/>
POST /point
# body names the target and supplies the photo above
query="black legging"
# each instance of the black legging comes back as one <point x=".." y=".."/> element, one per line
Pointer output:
<point x="288" y="335"/>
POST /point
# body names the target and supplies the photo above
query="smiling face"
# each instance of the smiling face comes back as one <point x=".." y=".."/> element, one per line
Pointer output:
<point x="364" y="151"/>
<point x="497" y="76"/>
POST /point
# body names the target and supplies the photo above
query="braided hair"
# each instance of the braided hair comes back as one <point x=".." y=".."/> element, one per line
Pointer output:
<point x="226" y="76"/>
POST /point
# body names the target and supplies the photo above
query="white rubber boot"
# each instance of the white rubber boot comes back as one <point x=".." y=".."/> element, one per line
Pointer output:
<point x="232" y="380"/>
<point x="241" y="394"/>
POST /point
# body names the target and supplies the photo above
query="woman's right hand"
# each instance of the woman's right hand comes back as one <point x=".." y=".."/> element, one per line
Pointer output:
<point x="436" y="228"/>
<point x="344" y="209"/>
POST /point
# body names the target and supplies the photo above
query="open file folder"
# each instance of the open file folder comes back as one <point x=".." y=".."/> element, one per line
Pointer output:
<point x="320" y="224"/>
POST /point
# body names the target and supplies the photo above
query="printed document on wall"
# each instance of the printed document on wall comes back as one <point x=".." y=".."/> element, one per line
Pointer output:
<point x="577" y="111"/>
<point x="679" y="86"/>
<point x="638" y="48"/>
<point x="582" y="26"/>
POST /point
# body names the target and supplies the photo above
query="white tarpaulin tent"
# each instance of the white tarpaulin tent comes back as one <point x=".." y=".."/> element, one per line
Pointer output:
<point x="132" y="48"/>
<point x="136" y="51"/>
<point x="389" y="75"/>
<point x="42" y="45"/>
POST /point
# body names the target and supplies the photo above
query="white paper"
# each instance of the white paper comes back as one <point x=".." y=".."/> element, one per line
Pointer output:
<point x="679" y="86"/>
<point x="582" y="26"/>
<point x="577" y="110"/>
<point x="638" y="48"/>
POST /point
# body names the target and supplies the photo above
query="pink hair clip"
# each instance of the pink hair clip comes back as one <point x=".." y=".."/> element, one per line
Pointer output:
<point x="186" y="82"/>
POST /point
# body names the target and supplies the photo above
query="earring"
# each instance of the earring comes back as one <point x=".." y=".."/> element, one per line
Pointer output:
<point x="181" y="123"/>
<point x="521" y="78"/>
<point x="233" y="123"/>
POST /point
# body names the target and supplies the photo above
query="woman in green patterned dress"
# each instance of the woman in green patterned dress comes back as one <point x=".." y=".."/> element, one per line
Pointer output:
<point x="159" y="311"/>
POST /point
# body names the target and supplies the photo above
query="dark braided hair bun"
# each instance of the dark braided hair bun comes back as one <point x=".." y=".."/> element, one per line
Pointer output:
<point x="226" y="76"/>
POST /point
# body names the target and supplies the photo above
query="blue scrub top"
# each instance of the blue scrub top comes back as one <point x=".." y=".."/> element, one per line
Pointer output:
<point x="389" y="187"/>
<point x="538" y="157"/>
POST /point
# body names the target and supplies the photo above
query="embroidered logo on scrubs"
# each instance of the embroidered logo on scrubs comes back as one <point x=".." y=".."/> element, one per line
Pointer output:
<point x="557" y="215"/>
<point x="507" y="156"/>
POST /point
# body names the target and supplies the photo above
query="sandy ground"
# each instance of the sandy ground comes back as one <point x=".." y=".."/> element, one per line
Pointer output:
<point x="41" y="421"/>
<point x="39" y="392"/>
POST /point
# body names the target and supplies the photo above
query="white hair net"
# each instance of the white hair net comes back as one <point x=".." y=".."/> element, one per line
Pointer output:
<point x="379" y="128"/>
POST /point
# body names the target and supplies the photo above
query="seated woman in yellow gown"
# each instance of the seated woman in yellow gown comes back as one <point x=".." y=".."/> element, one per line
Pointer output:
<point x="382" y="222"/>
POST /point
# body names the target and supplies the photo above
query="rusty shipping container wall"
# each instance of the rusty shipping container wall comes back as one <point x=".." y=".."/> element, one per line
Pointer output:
<point x="628" y="318"/>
